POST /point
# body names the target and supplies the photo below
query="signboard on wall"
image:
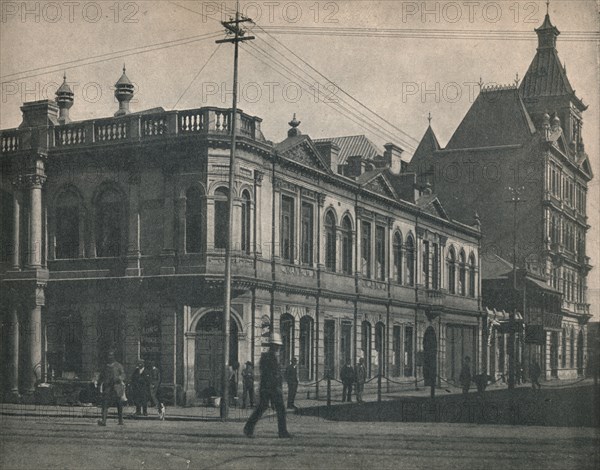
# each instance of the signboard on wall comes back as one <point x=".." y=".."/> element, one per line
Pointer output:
<point x="150" y="342"/>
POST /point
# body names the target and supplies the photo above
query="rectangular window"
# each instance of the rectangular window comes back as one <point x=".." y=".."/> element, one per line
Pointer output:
<point x="408" y="351"/>
<point x="380" y="252"/>
<point x="329" y="347"/>
<point x="425" y="264"/>
<point x="397" y="366"/>
<point x="366" y="249"/>
<point x="346" y="343"/>
<point x="307" y="233"/>
<point x="221" y="222"/>
<point x="435" y="278"/>
<point x="287" y="228"/>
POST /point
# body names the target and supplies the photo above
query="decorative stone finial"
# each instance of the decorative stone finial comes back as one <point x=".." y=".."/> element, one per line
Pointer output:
<point x="64" y="100"/>
<point x="294" y="123"/>
<point x="429" y="118"/>
<point x="517" y="79"/>
<point x="477" y="221"/>
<point x="124" y="93"/>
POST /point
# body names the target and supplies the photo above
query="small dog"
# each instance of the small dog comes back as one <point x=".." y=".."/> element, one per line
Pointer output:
<point x="161" y="412"/>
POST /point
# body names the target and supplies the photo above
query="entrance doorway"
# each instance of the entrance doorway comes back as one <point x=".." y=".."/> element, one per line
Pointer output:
<point x="209" y="352"/>
<point x="429" y="357"/>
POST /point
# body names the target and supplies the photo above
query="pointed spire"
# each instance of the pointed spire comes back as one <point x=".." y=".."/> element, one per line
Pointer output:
<point x="124" y="90"/>
<point x="64" y="100"/>
<point x="547" y="32"/>
<point x="429" y="118"/>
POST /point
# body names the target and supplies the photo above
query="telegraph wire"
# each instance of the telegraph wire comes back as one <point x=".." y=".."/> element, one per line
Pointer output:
<point x="307" y="86"/>
<point x="408" y="144"/>
<point x="111" y="56"/>
<point x="393" y="137"/>
<point x="196" y="76"/>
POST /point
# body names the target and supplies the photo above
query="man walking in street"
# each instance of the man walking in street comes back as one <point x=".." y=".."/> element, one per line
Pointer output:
<point x="155" y="379"/>
<point x="270" y="389"/>
<point x="112" y="388"/>
<point x="291" y="377"/>
<point x="140" y="388"/>
<point x="248" y="383"/>
<point x="347" y="376"/>
<point x="360" y="376"/>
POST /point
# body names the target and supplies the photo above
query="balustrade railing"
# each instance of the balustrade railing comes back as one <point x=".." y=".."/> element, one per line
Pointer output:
<point x="69" y="135"/>
<point x="132" y="128"/>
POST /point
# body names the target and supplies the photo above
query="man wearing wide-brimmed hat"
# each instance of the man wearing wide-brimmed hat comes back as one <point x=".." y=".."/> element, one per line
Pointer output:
<point x="112" y="388"/>
<point x="270" y="389"/>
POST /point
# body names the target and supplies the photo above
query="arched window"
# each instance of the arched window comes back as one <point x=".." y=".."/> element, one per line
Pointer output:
<point x="346" y="245"/>
<point x="68" y="225"/>
<point x="193" y="221"/>
<point x="221" y="217"/>
<point x="451" y="264"/>
<point x="410" y="261"/>
<point x="330" y="248"/>
<point x="366" y="345"/>
<point x="398" y="258"/>
<point x="286" y="325"/>
<point x="246" y="222"/>
<point x="109" y="224"/>
<point x="472" y="268"/>
<point x="462" y="279"/>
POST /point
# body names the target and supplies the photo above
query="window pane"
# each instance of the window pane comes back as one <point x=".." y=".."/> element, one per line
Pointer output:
<point x="287" y="228"/>
<point x="307" y="233"/>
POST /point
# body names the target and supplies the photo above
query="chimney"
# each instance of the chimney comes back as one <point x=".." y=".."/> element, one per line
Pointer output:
<point x="39" y="113"/>
<point x="393" y="157"/>
<point x="330" y="151"/>
<point x="355" y="166"/>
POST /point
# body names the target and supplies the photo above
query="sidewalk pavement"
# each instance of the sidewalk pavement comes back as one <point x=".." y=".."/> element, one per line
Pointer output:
<point x="236" y="413"/>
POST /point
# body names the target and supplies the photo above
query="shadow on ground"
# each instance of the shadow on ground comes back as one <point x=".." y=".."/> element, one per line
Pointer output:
<point x="573" y="406"/>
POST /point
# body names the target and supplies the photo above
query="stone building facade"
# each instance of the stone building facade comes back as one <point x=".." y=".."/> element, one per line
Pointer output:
<point x="115" y="234"/>
<point x="524" y="142"/>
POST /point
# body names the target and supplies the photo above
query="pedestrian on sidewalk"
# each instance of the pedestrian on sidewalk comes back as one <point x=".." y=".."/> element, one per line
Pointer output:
<point x="233" y="383"/>
<point x="140" y="388"/>
<point x="360" y="376"/>
<point x="348" y="378"/>
<point x="248" y="384"/>
<point x="465" y="375"/>
<point x="271" y="389"/>
<point x="535" y="372"/>
<point x="112" y="388"/>
<point x="155" y="399"/>
<point x="291" y="377"/>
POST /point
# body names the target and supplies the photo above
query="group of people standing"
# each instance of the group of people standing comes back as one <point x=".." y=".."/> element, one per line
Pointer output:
<point x="353" y="377"/>
<point x="144" y="388"/>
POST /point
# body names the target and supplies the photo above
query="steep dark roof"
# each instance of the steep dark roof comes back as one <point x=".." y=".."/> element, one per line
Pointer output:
<point x="352" y="145"/>
<point x="497" y="117"/>
<point x="429" y="144"/>
<point x="546" y="76"/>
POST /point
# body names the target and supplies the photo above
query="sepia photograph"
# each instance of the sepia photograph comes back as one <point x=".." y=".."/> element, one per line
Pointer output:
<point x="304" y="234"/>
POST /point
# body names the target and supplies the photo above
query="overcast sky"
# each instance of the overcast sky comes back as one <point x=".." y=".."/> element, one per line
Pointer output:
<point x="415" y="58"/>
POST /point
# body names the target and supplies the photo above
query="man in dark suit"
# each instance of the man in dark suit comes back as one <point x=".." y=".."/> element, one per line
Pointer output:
<point x="348" y="378"/>
<point x="248" y="382"/>
<point x="140" y="388"/>
<point x="291" y="377"/>
<point x="112" y="388"/>
<point x="270" y="390"/>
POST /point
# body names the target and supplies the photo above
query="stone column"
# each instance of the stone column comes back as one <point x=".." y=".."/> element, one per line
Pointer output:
<point x="35" y="183"/>
<point x="258" y="222"/>
<point x="13" y="341"/>
<point x="133" y="233"/>
<point x="16" y="254"/>
<point x="33" y="340"/>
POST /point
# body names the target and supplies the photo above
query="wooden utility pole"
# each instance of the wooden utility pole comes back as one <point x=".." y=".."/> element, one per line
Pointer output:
<point x="233" y="27"/>
<point x="515" y="201"/>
